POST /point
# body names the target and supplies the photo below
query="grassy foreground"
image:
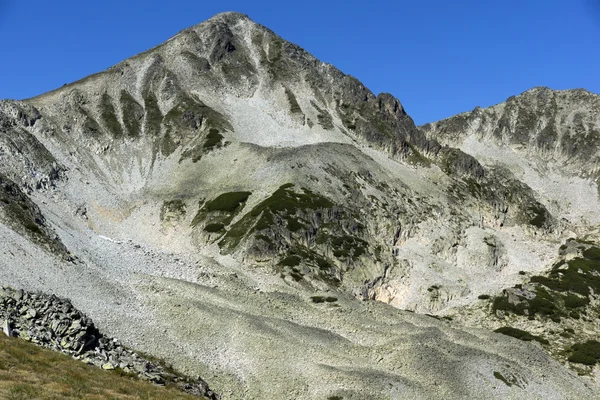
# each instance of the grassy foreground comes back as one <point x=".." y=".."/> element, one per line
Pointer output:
<point x="29" y="372"/>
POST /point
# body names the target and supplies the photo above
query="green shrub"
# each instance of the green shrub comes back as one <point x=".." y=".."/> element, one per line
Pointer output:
<point x="322" y="299"/>
<point x="296" y="276"/>
<point x="109" y="116"/>
<point x="593" y="253"/>
<point x="539" y="215"/>
<point x="581" y="358"/>
<point x="214" y="228"/>
<point x="573" y="301"/>
<point x="294" y="224"/>
<point x="290" y="261"/>
<point x="587" y="353"/>
<point x="227" y="202"/>
<point x="212" y="139"/>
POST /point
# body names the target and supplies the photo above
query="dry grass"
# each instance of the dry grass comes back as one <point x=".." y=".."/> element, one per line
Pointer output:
<point x="28" y="372"/>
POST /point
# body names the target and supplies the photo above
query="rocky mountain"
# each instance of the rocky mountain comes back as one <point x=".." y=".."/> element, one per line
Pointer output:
<point x="229" y="203"/>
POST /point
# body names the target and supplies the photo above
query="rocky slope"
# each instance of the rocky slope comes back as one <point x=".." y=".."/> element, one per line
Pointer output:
<point x="229" y="203"/>
<point x="54" y="323"/>
<point x="548" y="140"/>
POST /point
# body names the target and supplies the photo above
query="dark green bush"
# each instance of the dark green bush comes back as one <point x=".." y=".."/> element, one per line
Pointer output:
<point x="322" y="299"/>
<point x="228" y="202"/>
<point x="593" y="253"/>
<point x="581" y="358"/>
<point x="573" y="301"/>
<point x="290" y="261"/>
<point x="587" y="353"/>
<point x="212" y="139"/>
<point x="214" y="228"/>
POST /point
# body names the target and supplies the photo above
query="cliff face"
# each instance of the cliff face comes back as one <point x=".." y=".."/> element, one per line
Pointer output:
<point x="227" y="176"/>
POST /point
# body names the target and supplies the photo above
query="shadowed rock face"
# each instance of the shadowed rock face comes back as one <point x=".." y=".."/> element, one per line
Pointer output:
<point x="232" y="204"/>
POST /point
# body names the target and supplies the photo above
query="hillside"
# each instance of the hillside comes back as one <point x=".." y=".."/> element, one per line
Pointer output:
<point x="229" y="203"/>
<point x="30" y="372"/>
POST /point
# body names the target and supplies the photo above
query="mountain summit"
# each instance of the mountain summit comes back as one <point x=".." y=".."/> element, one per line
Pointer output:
<point x="231" y="204"/>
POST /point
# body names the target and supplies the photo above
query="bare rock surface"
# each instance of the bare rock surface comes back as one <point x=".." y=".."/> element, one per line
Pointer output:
<point x="229" y="203"/>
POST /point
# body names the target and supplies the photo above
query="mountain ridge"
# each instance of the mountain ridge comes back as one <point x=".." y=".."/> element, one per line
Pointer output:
<point x="241" y="203"/>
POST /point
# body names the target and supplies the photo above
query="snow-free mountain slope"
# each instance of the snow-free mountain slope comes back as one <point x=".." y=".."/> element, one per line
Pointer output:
<point x="230" y="203"/>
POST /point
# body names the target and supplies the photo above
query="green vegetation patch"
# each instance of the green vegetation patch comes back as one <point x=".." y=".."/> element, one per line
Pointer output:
<point x="108" y="116"/>
<point x="319" y="267"/>
<point x="189" y="117"/>
<point x="345" y="246"/>
<point x="133" y="113"/>
<point x="213" y="228"/>
<point x="213" y="139"/>
<point x="574" y="301"/>
<point x="323" y="117"/>
<point x="323" y="299"/>
<point x="538" y="215"/>
<point x="290" y="261"/>
<point x="587" y="353"/>
<point x="19" y="212"/>
<point x="168" y="145"/>
<point x="544" y="304"/>
<point x="284" y="221"/>
<point x="416" y="158"/>
<point x="219" y="212"/>
<point x="192" y="115"/>
<point x="284" y="203"/>
<point x="564" y="292"/>
<point x="501" y="377"/>
<point x="153" y="117"/>
<point x="31" y="372"/>
<point x="592" y="253"/>
<point x="294" y="106"/>
<point x="228" y="202"/>
<point x="581" y="275"/>
<point x="521" y="335"/>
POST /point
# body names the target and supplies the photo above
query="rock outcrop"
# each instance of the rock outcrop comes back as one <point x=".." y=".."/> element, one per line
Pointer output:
<point x="54" y="323"/>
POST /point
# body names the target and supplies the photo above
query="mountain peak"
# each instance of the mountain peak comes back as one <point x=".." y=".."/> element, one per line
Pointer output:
<point x="228" y="181"/>
<point x="228" y="17"/>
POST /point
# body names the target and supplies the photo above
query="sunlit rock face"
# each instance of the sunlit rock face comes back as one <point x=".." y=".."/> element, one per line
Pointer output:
<point x="231" y="204"/>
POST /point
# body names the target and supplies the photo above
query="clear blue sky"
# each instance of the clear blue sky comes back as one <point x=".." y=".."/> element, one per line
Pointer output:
<point x="438" y="57"/>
